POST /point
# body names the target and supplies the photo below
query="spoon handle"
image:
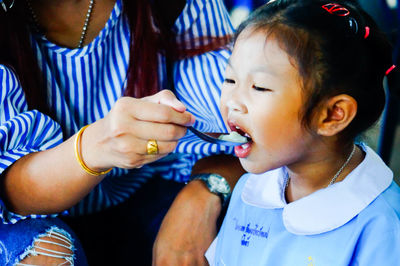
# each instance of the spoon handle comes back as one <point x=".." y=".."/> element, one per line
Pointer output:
<point x="210" y="139"/>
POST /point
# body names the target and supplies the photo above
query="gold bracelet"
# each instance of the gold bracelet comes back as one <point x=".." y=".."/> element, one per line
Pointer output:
<point x="78" y="155"/>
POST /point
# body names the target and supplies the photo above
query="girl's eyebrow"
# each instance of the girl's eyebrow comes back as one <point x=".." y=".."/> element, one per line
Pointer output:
<point x="264" y="69"/>
<point x="257" y="69"/>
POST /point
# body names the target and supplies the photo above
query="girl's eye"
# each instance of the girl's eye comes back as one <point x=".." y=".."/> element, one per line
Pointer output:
<point x="260" y="88"/>
<point x="230" y="81"/>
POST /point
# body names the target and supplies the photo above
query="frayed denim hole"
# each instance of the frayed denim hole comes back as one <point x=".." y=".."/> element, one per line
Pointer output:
<point x="55" y="233"/>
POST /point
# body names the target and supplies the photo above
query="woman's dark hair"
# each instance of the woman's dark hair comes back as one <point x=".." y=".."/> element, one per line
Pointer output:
<point x="16" y="53"/>
<point x="332" y="53"/>
<point x="150" y="22"/>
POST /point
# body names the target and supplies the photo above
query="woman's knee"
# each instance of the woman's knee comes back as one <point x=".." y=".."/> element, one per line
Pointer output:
<point x="55" y="247"/>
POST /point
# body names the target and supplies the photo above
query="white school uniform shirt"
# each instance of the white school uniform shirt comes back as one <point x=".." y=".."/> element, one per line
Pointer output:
<point x="84" y="84"/>
<point x="353" y="222"/>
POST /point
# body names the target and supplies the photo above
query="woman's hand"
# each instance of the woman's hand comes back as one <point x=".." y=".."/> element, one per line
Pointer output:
<point x="51" y="181"/>
<point x="120" y="139"/>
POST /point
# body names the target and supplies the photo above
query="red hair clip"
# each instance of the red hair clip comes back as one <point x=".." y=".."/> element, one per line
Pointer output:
<point x="336" y="9"/>
<point x="390" y="70"/>
<point x="366" y="32"/>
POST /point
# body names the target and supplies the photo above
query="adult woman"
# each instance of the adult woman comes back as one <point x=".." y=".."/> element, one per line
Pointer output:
<point x="84" y="72"/>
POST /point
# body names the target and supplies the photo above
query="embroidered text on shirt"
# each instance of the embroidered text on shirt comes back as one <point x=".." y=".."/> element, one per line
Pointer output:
<point x="248" y="232"/>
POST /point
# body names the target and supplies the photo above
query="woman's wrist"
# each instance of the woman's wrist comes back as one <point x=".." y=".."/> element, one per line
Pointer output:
<point x="197" y="193"/>
<point x="82" y="145"/>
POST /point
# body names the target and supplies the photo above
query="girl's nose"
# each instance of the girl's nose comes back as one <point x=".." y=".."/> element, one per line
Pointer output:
<point x="236" y="105"/>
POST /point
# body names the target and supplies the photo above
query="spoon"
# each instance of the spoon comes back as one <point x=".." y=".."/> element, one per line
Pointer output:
<point x="219" y="138"/>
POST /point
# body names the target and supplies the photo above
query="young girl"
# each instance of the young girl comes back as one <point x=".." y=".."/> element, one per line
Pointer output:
<point x="305" y="78"/>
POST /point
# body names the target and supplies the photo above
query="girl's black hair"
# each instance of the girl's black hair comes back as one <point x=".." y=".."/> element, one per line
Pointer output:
<point x="334" y="52"/>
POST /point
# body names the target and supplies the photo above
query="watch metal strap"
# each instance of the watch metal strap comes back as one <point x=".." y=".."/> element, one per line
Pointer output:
<point x="205" y="177"/>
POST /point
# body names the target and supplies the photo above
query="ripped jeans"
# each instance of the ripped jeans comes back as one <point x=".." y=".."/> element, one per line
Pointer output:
<point x="50" y="239"/>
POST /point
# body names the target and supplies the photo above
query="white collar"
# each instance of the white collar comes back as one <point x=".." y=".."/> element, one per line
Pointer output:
<point x="325" y="209"/>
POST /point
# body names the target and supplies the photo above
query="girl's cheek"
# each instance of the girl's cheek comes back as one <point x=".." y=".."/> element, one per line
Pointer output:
<point x="224" y="111"/>
<point x="224" y="98"/>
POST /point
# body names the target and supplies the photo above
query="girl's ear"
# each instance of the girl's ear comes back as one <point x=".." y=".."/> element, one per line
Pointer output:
<point x="336" y="114"/>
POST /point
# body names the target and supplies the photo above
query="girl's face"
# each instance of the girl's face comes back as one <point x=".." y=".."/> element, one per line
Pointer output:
<point x="262" y="97"/>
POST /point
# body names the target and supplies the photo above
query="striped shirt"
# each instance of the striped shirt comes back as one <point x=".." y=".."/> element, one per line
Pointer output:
<point x="84" y="83"/>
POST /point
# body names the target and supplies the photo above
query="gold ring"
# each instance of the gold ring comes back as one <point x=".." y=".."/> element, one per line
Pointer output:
<point x="152" y="147"/>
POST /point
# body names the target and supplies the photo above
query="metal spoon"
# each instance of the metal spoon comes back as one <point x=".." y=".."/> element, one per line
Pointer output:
<point x="214" y="137"/>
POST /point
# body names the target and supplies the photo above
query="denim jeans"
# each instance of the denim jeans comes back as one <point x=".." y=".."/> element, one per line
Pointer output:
<point x="17" y="240"/>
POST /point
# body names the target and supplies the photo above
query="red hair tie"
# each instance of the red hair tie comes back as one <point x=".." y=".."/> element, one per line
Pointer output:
<point x="366" y="32"/>
<point x="390" y="69"/>
<point x="336" y="9"/>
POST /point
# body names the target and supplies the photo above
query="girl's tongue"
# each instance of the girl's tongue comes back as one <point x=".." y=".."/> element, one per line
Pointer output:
<point x="243" y="151"/>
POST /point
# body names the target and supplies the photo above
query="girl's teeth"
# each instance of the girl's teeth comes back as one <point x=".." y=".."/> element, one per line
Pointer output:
<point x="245" y="146"/>
<point x="247" y="135"/>
<point x="237" y="127"/>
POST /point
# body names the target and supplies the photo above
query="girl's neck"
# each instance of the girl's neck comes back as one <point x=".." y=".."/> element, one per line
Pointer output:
<point x="311" y="176"/>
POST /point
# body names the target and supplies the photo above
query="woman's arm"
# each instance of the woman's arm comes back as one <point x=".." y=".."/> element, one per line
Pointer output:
<point x="191" y="223"/>
<point x="52" y="180"/>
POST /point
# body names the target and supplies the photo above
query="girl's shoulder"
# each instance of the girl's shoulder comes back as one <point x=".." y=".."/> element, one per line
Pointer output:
<point x="384" y="210"/>
<point x="379" y="230"/>
<point x="377" y="180"/>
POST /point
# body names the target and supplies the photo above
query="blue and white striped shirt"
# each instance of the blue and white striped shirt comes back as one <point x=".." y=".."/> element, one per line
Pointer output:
<point x="83" y="84"/>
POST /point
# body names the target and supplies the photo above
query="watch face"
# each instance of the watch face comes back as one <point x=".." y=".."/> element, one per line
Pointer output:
<point x="218" y="184"/>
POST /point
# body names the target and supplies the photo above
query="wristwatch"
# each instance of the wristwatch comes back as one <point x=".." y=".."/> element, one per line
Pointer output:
<point x="216" y="184"/>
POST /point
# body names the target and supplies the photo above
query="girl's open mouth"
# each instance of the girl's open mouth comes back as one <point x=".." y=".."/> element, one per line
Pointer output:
<point x="241" y="151"/>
